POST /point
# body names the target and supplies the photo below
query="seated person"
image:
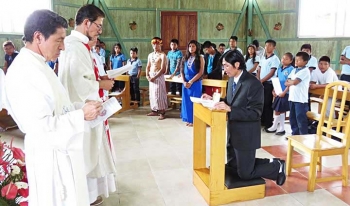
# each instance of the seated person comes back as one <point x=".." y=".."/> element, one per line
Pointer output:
<point x="322" y="76"/>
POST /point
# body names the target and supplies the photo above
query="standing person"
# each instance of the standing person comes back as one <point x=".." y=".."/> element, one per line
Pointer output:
<point x="191" y="73"/>
<point x="174" y="57"/>
<point x="251" y="59"/>
<point x="244" y="104"/>
<point x="222" y="48"/>
<point x="260" y="51"/>
<point x="53" y="126"/>
<point x="345" y="61"/>
<point x="281" y="104"/>
<point x="298" y="83"/>
<point x="116" y="61"/>
<point x="233" y="44"/>
<point x="312" y="62"/>
<point x="10" y="54"/>
<point x="155" y="69"/>
<point x="107" y="55"/>
<point x="212" y="66"/>
<point x="135" y="73"/>
<point x="267" y="67"/>
<point x="81" y="79"/>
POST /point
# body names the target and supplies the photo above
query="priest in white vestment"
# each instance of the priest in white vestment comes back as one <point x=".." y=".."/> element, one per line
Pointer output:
<point x="53" y="126"/>
<point x="77" y="74"/>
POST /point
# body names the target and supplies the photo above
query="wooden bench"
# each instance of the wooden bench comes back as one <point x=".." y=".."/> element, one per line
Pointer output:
<point x="127" y="104"/>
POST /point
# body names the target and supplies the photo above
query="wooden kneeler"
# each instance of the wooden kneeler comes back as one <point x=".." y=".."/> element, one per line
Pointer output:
<point x="216" y="184"/>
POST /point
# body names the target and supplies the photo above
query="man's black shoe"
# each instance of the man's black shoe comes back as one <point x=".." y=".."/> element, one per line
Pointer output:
<point x="281" y="133"/>
<point x="281" y="177"/>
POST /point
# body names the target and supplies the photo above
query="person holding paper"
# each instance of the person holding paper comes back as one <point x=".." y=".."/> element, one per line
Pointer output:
<point x="281" y="104"/>
<point x="80" y="77"/>
<point x="155" y="69"/>
<point x="244" y="103"/>
<point x="53" y="126"/>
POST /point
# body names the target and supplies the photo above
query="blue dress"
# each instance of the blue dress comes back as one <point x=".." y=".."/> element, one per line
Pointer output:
<point x="194" y="91"/>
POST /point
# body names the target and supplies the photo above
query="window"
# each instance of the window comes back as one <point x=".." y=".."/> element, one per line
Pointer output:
<point x="323" y="18"/>
<point x="13" y="13"/>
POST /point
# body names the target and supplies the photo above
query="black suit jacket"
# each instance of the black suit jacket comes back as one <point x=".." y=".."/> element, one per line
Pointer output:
<point x="217" y="70"/>
<point x="246" y="103"/>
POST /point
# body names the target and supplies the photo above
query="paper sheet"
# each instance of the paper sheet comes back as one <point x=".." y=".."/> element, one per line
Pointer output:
<point x="205" y="102"/>
<point x="276" y="85"/>
<point x="110" y="107"/>
<point x="117" y="72"/>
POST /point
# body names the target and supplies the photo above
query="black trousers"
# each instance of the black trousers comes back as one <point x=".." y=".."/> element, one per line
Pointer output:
<point x="135" y="88"/>
<point x="175" y="86"/>
<point x="248" y="167"/>
<point x="345" y="77"/>
<point x="267" y="115"/>
<point x="118" y="86"/>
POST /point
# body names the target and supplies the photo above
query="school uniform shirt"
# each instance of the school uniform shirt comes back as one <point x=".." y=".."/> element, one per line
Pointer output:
<point x="117" y="61"/>
<point x="283" y="73"/>
<point x="229" y="49"/>
<point x="345" y="69"/>
<point x="260" y="52"/>
<point x="136" y="63"/>
<point x="299" y="92"/>
<point x="312" y="62"/>
<point x="324" y="78"/>
<point x="9" y="58"/>
<point x="266" y="64"/>
<point x="250" y="64"/>
<point x="173" y="57"/>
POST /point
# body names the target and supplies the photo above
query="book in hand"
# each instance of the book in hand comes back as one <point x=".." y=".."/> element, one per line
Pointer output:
<point x="109" y="107"/>
<point x="205" y="102"/>
<point x="117" y="72"/>
<point x="276" y="85"/>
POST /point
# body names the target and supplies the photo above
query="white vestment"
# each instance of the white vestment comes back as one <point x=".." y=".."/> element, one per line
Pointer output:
<point x="54" y="132"/>
<point x="76" y="72"/>
<point x="2" y="88"/>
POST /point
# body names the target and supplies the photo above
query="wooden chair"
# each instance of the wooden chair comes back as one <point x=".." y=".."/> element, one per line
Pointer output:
<point x="321" y="144"/>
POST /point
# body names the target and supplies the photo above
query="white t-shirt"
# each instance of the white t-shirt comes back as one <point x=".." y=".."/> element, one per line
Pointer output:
<point x="324" y="78"/>
<point x="299" y="92"/>
<point x="260" y="52"/>
<point x="266" y="64"/>
<point x="228" y="49"/>
<point x="345" y="69"/>
<point x="249" y="63"/>
<point x="312" y="62"/>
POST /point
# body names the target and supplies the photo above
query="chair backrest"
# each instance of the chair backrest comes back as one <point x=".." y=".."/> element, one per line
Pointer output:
<point x="335" y="125"/>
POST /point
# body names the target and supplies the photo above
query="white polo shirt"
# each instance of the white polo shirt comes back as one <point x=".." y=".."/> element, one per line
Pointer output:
<point x="324" y="78"/>
<point x="228" y="49"/>
<point x="249" y="63"/>
<point x="312" y="62"/>
<point x="345" y="69"/>
<point x="299" y="92"/>
<point x="266" y="64"/>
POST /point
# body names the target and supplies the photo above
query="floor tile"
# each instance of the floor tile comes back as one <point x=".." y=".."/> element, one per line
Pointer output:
<point x="136" y="182"/>
<point x="318" y="198"/>
<point x="279" y="151"/>
<point x="272" y="189"/>
<point x="278" y="200"/>
<point x="296" y="182"/>
<point x="147" y="197"/>
<point x="342" y="193"/>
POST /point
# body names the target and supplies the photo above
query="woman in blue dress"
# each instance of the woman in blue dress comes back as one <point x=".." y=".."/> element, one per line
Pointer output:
<point x="192" y="69"/>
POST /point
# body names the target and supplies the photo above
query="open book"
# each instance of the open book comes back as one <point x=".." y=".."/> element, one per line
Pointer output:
<point x="110" y="107"/>
<point x="117" y="72"/>
<point x="205" y="102"/>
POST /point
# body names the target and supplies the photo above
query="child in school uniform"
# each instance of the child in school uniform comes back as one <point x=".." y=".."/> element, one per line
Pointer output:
<point x="134" y="74"/>
<point x="251" y="59"/>
<point x="298" y="83"/>
<point x="117" y="60"/>
<point x="281" y="104"/>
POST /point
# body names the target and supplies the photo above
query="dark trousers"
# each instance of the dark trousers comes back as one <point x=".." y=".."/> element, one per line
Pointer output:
<point x="297" y="117"/>
<point x="345" y="77"/>
<point x="118" y="86"/>
<point x="175" y="87"/>
<point x="249" y="167"/>
<point x="267" y="115"/>
<point x="135" y="88"/>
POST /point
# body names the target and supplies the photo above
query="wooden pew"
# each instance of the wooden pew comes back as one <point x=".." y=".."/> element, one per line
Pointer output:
<point x="127" y="104"/>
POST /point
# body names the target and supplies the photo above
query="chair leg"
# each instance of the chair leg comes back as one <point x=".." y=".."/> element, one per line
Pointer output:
<point x="319" y="166"/>
<point x="345" y="169"/>
<point x="289" y="157"/>
<point x="312" y="172"/>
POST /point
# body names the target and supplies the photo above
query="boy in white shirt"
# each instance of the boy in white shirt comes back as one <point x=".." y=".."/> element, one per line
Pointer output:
<point x="298" y="83"/>
<point x="345" y="61"/>
<point x="312" y="63"/>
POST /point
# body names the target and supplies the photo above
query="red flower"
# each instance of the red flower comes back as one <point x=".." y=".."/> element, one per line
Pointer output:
<point x="18" y="153"/>
<point x="9" y="191"/>
<point x="23" y="192"/>
<point x="23" y="203"/>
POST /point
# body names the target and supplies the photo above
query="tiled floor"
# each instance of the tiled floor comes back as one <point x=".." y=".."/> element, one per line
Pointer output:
<point x="155" y="161"/>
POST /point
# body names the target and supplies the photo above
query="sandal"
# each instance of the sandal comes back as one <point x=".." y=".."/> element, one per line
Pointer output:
<point x="162" y="116"/>
<point x="153" y="113"/>
<point x="190" y="125"/>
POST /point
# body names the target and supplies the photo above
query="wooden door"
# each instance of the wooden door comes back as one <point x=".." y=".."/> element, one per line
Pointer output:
<point x="178" y="25"/>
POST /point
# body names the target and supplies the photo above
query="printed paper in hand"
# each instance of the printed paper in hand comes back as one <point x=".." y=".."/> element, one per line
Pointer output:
<point x="110" y="107"/>
<point x="276" y="85"/>
<point x="117" y="72"/>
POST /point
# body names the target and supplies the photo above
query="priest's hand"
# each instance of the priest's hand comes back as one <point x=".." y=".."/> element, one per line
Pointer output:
<point x="91" y="110"/>
<point x="206" y="96"/>
<point x="105" y="77"/>
<point x="222" y="106"/>
<point x="106" y="84"/>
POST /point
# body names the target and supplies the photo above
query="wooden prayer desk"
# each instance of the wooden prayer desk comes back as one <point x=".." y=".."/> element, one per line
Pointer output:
<point x="214" y="183"/>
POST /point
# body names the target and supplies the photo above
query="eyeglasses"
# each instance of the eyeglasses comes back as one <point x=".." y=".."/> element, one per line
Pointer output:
<point x="98" y="26"/>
